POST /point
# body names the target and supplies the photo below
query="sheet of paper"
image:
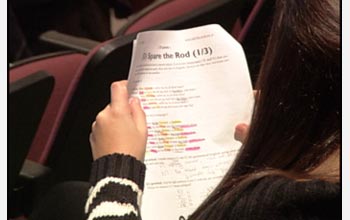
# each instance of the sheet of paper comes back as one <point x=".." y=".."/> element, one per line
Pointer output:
<point x="194" y="87"/>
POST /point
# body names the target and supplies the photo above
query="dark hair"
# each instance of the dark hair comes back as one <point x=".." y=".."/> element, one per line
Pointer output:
<point x="296" y="120"/>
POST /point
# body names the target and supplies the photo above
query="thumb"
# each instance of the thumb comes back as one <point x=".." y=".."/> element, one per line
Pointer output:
<point x="138" y="115"/>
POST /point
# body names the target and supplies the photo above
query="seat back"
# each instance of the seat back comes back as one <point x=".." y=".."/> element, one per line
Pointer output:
<point x="63" y="67"/>
<point x="161" y="14"/>
<point x="28" y="99"/>
<point x="242" y="31"/>
<point x="162" y="11"/>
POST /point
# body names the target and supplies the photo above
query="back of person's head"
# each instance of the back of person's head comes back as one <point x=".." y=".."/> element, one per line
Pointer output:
<point x="296" y="120"/>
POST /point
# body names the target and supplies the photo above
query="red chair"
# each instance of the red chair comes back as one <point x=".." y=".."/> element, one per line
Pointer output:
<point x="163" y="11"/>
<point x="28" y="99"/>
<point x="161" y="15"/>
<point x="173" y="14"/>
<point x="240" y="31"/>
<point x="63" y="66"/>
<point x="67" y="69"/>
<point x="32" y="169"/>
<point x="160" y="12"/>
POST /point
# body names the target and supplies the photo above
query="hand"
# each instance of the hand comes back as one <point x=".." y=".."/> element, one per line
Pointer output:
<point x="121" y="127"/>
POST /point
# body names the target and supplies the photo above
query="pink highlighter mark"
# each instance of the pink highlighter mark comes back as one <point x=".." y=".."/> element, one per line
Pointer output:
<point x="143" y="100"/>
<point x="196" y="140"/>
<point x="154" y="151"/>
<point x="152" y="142"/>
<point x="141" y="92"/>
<point x="146" y="107"/>
<point x="192" y="148"/>
<point x="150" y="135"/>
<point x="187" y="133"/>
<point x="188" y="126"/>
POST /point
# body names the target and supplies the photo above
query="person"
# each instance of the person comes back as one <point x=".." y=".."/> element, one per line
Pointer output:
<point x="288" y="165"/>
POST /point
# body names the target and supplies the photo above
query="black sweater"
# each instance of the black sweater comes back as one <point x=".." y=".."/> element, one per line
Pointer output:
<point x="118" y="181"/>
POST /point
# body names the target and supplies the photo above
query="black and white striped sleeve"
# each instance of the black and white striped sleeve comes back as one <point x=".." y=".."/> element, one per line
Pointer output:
<point x="117" y="184"/>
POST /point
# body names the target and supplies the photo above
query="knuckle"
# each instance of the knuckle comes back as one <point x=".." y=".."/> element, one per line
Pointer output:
<point x="116" y="112"/>
<point x="119" y="111"/>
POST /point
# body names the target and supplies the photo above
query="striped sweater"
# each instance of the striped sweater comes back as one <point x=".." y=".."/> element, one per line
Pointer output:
<point x="113" y="175"/>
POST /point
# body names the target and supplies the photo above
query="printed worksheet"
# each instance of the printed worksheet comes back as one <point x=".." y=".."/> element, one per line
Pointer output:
<point x="194" y="87"/>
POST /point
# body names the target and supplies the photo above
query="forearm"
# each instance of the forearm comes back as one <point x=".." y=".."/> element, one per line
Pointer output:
<point x="117" y="185"/>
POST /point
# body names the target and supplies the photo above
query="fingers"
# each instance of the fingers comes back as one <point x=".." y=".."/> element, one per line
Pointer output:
<point x="138" y="114"/>
<point x="241" y="132"/>
<point x="119" y="96"/>
<point x="120" y="102"/>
